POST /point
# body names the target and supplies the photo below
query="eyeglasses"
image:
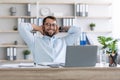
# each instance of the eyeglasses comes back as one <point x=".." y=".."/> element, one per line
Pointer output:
<point x="48" y="24"/>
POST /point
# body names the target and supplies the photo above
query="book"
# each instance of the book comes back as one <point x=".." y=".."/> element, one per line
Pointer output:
<point x="39" y="21"/>
<point x="8" y="53"/>
<point x="35" y="21"/>
<point x="32" y="21"/>
<point x="14" y="53"/>
<point x="77" y="10"/>
<point x="64" y="22"/>
<point x="28" y="9"/>
<point x="70" y="21"/>
<point x="81" y="10"/>
<point x="83" y="38"/>
<point x="11" y="54"/>
<point x="86" y="10"/>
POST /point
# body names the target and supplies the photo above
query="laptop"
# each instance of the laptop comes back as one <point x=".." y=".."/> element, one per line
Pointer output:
<point x="81" y="56"/>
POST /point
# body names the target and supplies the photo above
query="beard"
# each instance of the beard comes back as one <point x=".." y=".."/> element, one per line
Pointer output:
<point x="50" y="33"/>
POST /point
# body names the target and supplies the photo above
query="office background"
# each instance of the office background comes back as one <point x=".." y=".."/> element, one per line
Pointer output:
<point x="107" y="27"/>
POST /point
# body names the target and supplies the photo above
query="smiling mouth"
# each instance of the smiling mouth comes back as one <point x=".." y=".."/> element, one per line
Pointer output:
<point x="51" y="30"/>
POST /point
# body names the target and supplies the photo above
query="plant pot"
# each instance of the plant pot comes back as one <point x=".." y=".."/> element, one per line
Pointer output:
<point x="113" y="60"/>
<point x="91" y="28"/>
<point x="26" y="56"/>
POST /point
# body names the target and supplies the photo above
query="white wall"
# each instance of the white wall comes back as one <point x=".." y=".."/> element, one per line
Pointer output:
<point x="56" y="1"/>
<point x="116" y="21"/>
<point x="116" y="18"/>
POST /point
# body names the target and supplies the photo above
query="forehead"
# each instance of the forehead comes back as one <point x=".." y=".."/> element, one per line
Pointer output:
<point x="50" y="21"/>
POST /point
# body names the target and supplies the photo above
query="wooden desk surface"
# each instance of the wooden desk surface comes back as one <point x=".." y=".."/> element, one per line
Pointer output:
<point x="60" y="73"/>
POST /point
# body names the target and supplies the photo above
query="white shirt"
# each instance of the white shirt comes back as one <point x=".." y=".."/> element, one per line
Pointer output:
<point x="45" y="48"/>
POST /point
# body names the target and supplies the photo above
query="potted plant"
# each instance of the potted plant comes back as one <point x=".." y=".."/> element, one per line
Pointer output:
<point x="110" y="46"/>
<point x="104" y="41"/>
<point x="92" y="25"/>
<point x="15" y="28"/>
<point x="26" y="53"/>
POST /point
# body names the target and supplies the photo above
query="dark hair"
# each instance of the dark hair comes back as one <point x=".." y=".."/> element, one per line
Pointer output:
<point x="50" y="17"/>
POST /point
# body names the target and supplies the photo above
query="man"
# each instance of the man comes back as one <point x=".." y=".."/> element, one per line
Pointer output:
<point x="48" y="47"/>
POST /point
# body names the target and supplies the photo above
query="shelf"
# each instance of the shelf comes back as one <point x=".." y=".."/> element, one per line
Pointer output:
<point x="15" y="2"/>
<point x="60" y="16"/>
<point x="34" y="17"/>
<point x="9" y="31"/>
<point x="10" y="45"/>
<point x="17" y="17"/>
<point x="61" y="32"/>
<point x="56" y="3"/>
<point x="104" y="17"/>
<point x="16" y="61"/>
<point x="98" y="31"/>
<point x="93" y="3"/>
<point x="45" y="3"/>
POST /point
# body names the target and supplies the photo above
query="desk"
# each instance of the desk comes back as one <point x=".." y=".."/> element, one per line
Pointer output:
<point x="60" y="73"/>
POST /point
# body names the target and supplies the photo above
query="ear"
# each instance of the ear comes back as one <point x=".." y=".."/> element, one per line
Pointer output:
<point x="57" y="29"/>
<point x="43" y="28"/>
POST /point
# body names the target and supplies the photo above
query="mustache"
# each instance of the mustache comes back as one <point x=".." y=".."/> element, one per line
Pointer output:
<point x="51" y="29"/>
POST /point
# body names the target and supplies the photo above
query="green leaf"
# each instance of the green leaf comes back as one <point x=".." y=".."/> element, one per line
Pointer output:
<point x="109" y="43"/>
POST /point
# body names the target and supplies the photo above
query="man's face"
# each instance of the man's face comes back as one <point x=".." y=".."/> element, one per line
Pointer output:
<point x="50" y="27"/>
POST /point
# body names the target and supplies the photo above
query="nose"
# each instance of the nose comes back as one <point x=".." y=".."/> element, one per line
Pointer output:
<point x="51" y="27"/>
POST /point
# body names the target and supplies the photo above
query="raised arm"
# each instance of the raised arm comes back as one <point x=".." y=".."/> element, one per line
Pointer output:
<point x="37" y="28"/>
<point x="25" y="32"/>
<point x="73" y="35"/>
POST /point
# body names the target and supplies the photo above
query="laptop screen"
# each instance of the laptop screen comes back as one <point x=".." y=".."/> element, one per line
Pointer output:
<point x="81" y="56"/>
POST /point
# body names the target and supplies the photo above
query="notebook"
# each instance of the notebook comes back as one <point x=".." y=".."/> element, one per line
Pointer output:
<point x="81" y="56"/>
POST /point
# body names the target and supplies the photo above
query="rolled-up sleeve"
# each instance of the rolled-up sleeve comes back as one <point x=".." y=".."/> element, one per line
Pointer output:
<point x="73" y="34"/>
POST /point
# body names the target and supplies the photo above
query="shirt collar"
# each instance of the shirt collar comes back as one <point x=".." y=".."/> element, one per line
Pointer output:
<point x="47" y="37"/>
